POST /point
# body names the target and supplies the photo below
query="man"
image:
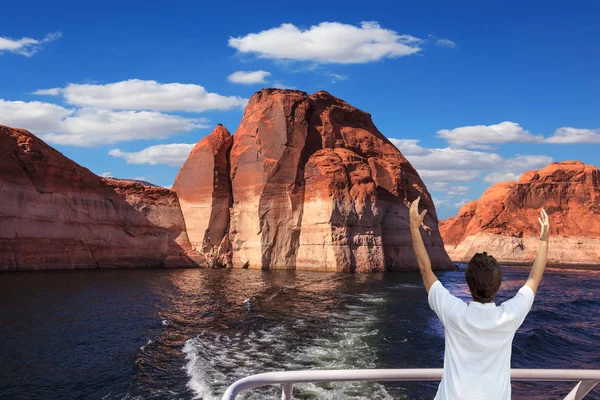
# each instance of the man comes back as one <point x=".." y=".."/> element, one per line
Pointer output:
<point x="479" y="334"/>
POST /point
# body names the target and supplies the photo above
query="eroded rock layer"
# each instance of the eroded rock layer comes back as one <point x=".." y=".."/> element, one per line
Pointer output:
<point x="55" y="214"/>
<point x="504" y="222"/>
<point x="316" y="186"/>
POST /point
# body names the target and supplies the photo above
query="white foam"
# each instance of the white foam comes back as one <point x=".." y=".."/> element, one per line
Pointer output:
<point x="216" y="360"/>
<point x="197" y="371"/>
<point x="407" y="286"/>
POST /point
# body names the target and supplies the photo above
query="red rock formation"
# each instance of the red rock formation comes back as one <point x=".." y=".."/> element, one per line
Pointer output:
<point x="55" y="214"/>
<point x="504" y="223"/>
<point x="204" y="191"/>
<point x="316" y="186"/>
<point x="307" y="182"/>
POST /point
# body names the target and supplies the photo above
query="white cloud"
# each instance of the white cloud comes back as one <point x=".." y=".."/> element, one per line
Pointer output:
<point x="91" y="127"/>
<point x="514" y="167"/>
<point x="455" y="159"/>
<point x="457" y="190"/>
<point x="438" y="186"/>
<point x="521" y="163"/>
<point x="328" y="42"/>
<point x="173" y="154"/>
<point x="482" y="136"/>
<point x="568" y="135"/>
<point x="47" y="92"/>
<point x="409" y="147"/>
<point x="443" y="175"/>
<point x="249" y="77"/>
<point x="496" y="177"/>
<point x="281" y="85"/>
<point x="337" y="77"/>
<point x="446" y="164"/>
<point x="448" y="190"/>
<point x="439" y="202"/>
<point x="106" y="174"/>
<point x="438" y="167"/>
<point x="34" y="116"/>
<point x="26" y="46"/>
<point x="461" y="203"/>
<point x="135" y="94"/>
<point x="445" y="43"/>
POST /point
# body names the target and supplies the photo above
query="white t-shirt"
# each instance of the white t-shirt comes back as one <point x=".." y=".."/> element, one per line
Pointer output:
<point x="478" y="343"/>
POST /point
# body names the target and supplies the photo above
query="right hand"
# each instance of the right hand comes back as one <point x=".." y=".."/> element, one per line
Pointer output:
<point x="545" y="226"/>
<point x="416" y="219"/>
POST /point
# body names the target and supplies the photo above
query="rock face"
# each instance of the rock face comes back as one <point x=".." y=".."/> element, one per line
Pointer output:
<point x="314" y="186"/>
<point x="504" y="221"/>
<point x="55" y="214"/>
<point x="306" y="182"/>
<point x="204" y="191"/>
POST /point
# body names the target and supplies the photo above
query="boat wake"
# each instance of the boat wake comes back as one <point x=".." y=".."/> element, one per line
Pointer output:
<point x="347" y="341"/>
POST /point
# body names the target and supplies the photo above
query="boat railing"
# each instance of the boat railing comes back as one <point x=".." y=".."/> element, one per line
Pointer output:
<point x="586" y="379"/>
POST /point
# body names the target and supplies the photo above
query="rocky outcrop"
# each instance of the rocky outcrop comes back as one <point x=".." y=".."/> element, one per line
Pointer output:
<point x="504" y="223"/>
<point x="204" y="191"/>
<point x="306" y="182"/>
<point x="55" y="214"/>
<point x="314" y="186"/>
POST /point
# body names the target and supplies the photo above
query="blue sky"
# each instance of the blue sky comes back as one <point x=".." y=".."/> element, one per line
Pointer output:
<point x="474" y="92"/>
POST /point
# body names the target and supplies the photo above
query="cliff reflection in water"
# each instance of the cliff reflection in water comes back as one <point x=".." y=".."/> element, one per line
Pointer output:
<point x="171" y="334"/>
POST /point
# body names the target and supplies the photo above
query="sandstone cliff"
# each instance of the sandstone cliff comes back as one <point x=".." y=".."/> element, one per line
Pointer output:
<point x="204" y="191"/>
<point x="504" y="223"/>
<point x="55" y="214"/>
<point x="313" y="185"/>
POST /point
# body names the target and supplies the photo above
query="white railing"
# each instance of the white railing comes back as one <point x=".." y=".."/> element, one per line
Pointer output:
<point x="586" y="379"/>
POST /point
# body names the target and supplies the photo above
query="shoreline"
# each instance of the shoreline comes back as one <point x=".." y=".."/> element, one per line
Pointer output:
<point x="517" y="265"/>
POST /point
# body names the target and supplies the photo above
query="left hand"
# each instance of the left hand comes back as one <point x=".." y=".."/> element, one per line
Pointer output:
<point x="416" y="219"/>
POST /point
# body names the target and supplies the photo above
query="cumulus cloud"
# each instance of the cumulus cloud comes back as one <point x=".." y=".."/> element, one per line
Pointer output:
<point x="136" y="94"/>
<point x="496" y="177"/>
<point x="328" y="43"/>
<point x="441" y="42"/>
<point x="447" y="171"/>
<point x="173" y="154"/>
<point x="448" y="175"/>
<point x="482" y="136"/>
<point x="34" y="116"/>
<point x="337" y="77"/>
<point x="115" y="112"/>
<point x="445" y="43"/>
<point x="249" y="77"/>
<point x="26" y="46"/>
<point x="439" y="166"/>
<point x="568" y="135"/>
<point x="514" y="167"/>
<point x="461" y="203"/>
<point x="88" y="127"/>
<point x="457" y="190"/>
<point x="409" y="147"/>
<point x="447" y="189"/>
<point x="455" y="159"/>
<point x="281" y="85"/>
<point x="446" y="164"/>
<point x="47" y="92"/>
<point x="106" y="174"/>
<point x="92" y="127"/>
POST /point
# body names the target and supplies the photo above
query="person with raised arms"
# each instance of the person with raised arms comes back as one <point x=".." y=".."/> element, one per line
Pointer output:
<point x="478" y="335"/>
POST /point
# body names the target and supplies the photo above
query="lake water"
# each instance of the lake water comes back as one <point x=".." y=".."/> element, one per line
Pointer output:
<point x="188" y="334"/>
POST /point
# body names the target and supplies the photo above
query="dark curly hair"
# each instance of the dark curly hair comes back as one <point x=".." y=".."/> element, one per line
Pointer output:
<point x="484" y="276"/>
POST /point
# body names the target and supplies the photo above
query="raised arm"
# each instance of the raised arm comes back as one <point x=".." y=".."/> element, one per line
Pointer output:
<point x="537" y="270"/>
<point x="416" y="220"/>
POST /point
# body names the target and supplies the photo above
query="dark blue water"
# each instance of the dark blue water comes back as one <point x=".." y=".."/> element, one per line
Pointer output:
<point x="184" y="334"/>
